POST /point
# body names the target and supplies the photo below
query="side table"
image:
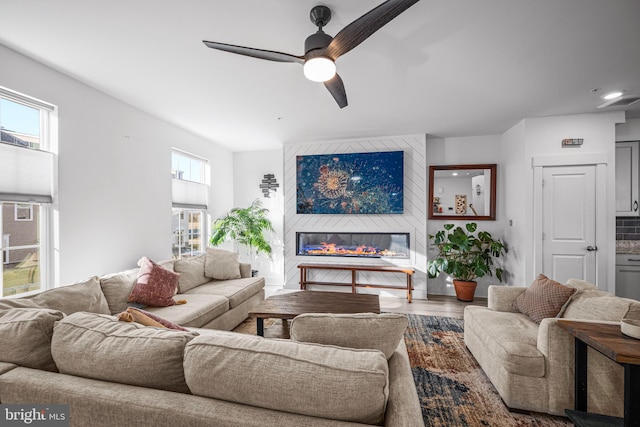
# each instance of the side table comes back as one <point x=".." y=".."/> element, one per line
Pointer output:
<point x="608" y="340"/>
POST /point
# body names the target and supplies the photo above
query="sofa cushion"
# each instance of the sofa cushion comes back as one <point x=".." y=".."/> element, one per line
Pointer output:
<point x="199" y="310"/>
<point x="600" y="305"/>
<point x="116" y="288"/>
<point x="25" y="337"/>
<point x="245" y="270"/>
<point x="6" y="367"/>
<point x="11" y="303"/>
<point x="236" y="290"/>
<point x="191" y="272"/>
<point x="544" y="298"/>
<point x="308" y="379"/>
<point x="81" y="296"/>
<point x="363" y="330"/>
<point x="100" y="347"/>
<point x="167" y="264"/>
<point x="221" y="264"/>
<point x="511" y="338"/>
<point x="580" y="284"/>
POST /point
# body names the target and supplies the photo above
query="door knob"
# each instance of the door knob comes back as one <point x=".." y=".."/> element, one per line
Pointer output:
<point x="592" y="248"/>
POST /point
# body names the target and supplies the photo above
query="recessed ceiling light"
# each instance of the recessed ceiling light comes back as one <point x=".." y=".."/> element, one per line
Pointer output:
<point x="454" y="173"/>
<point x="612" y="95"/>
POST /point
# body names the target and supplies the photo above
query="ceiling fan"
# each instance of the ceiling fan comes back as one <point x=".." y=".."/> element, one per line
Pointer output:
<point x="322" y="50"/>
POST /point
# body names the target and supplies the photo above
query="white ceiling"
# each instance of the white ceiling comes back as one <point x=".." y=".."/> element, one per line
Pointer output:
<point x="443" y="67"/>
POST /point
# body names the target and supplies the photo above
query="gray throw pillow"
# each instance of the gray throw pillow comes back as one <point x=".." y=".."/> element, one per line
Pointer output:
<point x="191" y="272"/>
<point x="221" y="264"/>
<point x="117" y="287"/>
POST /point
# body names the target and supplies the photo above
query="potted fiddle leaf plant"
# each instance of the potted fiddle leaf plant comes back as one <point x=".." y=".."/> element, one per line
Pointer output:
<point x="465" y="257"/>
<point x="245" y="226"/>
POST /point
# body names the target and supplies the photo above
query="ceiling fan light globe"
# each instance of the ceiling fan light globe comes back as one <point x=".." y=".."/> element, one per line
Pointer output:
<point x="319" y="69"/>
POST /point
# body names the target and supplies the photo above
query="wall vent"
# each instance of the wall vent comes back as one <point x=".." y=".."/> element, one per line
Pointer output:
<point x="623" y="101"/>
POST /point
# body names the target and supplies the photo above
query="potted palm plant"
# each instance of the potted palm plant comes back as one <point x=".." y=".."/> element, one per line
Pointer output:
<point x="244" y="226"/>
<point x="465" y="257"/>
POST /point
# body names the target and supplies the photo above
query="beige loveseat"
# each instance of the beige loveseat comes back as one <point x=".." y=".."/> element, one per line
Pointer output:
<point x="531" y="365"/>
<point x="66" y="347"/>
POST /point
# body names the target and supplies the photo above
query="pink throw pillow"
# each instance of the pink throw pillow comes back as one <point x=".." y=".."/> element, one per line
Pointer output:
<point x="155" y="285"/>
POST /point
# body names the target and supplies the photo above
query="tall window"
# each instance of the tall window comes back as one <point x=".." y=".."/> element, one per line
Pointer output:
<point x="189" y="192"/>
<point x="26" y="188"/>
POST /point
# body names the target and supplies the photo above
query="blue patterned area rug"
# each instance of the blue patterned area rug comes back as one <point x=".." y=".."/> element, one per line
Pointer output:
<point x="453" y="389"/>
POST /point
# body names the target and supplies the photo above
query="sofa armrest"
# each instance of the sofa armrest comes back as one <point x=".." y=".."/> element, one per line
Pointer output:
<point x="501" y="297"/>
<point x="403" y="406"/>
<point x="605" y="377"/>
<point x="245" y="270"/>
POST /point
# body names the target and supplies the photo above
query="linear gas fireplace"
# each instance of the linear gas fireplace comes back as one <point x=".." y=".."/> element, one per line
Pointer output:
<point x="364" y="245"/>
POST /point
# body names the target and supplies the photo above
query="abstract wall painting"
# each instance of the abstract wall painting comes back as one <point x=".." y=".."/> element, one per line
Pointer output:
<point x="352" y="183"/>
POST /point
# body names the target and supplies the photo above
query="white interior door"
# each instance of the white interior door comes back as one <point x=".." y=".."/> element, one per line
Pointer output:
<point x="569" y="223"/>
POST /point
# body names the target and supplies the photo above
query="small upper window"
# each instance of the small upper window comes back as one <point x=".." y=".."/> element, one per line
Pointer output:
<point x="186" y="167"/>
<point x="20" y="124"/>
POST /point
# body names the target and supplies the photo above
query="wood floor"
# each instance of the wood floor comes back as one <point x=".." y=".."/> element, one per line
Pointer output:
<point x="436" y="305"/>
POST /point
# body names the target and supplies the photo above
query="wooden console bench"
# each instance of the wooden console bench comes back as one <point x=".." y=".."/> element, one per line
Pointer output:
<point x="354" y="269"/>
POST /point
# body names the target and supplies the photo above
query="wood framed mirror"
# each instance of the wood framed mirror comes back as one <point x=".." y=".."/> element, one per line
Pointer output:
<point x="462" y="192"/>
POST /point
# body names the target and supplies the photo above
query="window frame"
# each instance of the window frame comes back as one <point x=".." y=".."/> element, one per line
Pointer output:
<point x="204" y="166"/>
<point x="46" y="226"/>
<point x="19" y="206"/>
<point x="43" y="247"/>
<point x="185" y="209"/>
<point x="184" y="214"/>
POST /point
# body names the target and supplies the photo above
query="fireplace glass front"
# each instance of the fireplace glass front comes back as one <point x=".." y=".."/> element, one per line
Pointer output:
<point x="363" y="245"/>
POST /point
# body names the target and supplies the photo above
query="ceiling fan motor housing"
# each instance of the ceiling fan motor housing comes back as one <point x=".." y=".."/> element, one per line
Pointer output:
<point x="320" y="16"/>
<point x="319" y="40"/>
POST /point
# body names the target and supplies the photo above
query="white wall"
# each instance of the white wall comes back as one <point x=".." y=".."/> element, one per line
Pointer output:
<point x="114" y="192"/>
<point x="540" y="138"/>
<point x="413" y="220"/>
<point x="466" y="150"/>
<point x="249" y="169"/>
<point x="451" y="187"/>
<point x="629" y="131"/>
<point x="515" y="171"/>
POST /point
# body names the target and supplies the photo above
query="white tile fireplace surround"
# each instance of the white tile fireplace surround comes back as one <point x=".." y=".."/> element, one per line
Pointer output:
<point x="411" y="222"/>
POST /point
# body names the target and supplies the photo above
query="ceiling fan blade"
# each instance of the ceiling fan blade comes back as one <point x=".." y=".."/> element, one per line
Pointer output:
<point x="336" y="87"/>
<point x="360" y="29"/>
<point x="255" y="53"/>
